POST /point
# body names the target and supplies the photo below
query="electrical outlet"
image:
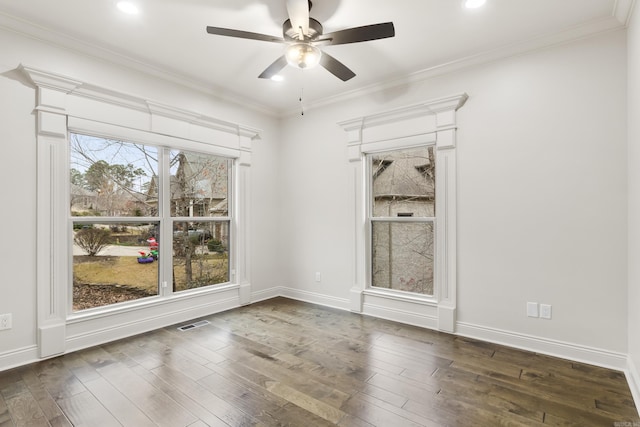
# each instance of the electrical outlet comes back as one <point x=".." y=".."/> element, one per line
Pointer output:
<point x="545" y="311"/>
<point x="532" y="309"/>
<point x="5" y="321"/>
<point x="318" y="277"/>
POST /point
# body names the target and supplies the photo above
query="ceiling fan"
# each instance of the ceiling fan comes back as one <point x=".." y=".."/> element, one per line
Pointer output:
<point x="303" y="35"/>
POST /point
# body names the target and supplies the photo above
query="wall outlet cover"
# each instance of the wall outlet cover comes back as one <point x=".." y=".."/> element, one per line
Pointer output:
<point x="532" y="309"/>
<point x="6" y="322"/>
<point x="545" y="311"/>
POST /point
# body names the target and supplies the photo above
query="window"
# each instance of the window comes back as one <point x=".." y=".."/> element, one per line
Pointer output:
<point x="199" y="188"/>
<point x="126" y="200"/>
<point x="402" y="218"/>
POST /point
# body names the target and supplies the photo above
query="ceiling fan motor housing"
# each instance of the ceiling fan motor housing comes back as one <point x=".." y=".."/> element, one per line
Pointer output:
<point x="293" y="34"/>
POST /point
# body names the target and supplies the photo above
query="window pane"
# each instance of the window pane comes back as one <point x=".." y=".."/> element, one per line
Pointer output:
<point x="199" y="185"/>
<point x="403" y="183"/>
<point x="112" y="178"/>
<point x="402" y="256"/>
<point x="200" y="254"/>
<point x="113" y="263"/>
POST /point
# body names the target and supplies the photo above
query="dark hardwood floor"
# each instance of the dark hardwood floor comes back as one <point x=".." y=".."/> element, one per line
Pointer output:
<point x="287" y="363"/>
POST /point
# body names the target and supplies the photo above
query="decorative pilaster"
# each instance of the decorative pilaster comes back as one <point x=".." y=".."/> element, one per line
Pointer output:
<point x="52" y="152"/>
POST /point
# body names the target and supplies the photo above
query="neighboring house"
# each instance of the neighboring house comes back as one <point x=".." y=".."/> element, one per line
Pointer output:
<point x="83" y="201"/>
<point x="403" y="186"/>
<point x="198" y="189"/>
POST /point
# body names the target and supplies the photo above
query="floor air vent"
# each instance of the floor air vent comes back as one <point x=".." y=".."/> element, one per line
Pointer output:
<point x="193" y="325"/>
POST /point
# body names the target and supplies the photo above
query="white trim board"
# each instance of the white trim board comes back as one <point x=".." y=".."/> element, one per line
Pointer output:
<point x="19" y="357"/>
<point x="315" y="298"/>
<point x="564" y="350"/>
<point x="119" y="330"/>
<point x="633" y="378"/>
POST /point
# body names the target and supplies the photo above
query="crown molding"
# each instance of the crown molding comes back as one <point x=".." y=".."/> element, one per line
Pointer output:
<point x="623" y="10"/>
<point x="591" y="29"/>
<point x="618" y="19"/>
<point x="101" y="53"/>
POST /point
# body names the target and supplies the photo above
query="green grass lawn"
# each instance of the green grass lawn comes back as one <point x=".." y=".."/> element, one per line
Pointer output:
<point x="126" y="271"/>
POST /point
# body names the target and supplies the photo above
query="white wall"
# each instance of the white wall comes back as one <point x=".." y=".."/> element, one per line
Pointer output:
<point x="542" y="188"/>
<point x="542" y="192"/>
<point x="18" y="172"/>
<point x="633" y="114"/>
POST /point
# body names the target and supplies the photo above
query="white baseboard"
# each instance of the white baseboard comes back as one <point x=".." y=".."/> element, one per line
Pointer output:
<point x="266" y="294"/>
<point x="633" y="378"/>
<point x="316" y="298"/>
<point x="401" y="316"/>
<point x="18" y="357"/>
<point x="126" y="329"/>
<point x="563" y="350"/>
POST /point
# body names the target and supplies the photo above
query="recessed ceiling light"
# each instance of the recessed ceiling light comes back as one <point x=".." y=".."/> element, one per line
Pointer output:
<point x="277" y="78"/>
<point x="128" y="7"/>
<point x="474" y="4"/>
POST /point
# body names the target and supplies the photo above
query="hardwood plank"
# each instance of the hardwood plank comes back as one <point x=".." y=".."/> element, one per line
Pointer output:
<point x="283" y="372"/>
<point x="403" y="386"/>
<point x="47" y="404"/>
<point x="377" y="413"/>
<point x="305" y="401"/>
<point x="197" y="400"/>
<point x="5" y="417"/>
<point x="23" y="408"/>
<point x="116" y="403"/>
<point x="155" y="404"/>
<point x="286" y="363"/>
<point x="59" y="382"/>
<point x="84" y="410"/>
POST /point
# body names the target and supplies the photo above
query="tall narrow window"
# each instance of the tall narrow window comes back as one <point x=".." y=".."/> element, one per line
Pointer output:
<point x="122" y="196"/>
<point x="402" y="219"/>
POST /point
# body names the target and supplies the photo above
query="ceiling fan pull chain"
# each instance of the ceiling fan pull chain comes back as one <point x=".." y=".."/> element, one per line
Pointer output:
<point x="300" y="99"/>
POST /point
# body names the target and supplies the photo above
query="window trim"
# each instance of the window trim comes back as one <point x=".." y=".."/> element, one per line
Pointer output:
<point x="164" y="219"/>
<point x="430" y="122"/>
<point x="63" y="104"/>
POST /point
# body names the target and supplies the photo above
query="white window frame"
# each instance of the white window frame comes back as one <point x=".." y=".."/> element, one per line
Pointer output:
<point x="65" y="104"/>
<point x="164" y="219"/>
<point x="369" y="231"/>
<point x="430" y="122"/>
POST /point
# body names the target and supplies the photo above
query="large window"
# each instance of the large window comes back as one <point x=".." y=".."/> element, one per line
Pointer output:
<point x="402" y="219"/>
<point x="146" y="220"/>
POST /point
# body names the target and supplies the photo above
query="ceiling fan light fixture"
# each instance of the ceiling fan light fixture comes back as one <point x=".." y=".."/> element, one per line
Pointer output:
<point x="303" y="55"/>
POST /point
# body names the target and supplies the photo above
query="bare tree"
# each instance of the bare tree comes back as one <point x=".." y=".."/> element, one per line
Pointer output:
<point x="92" y="240"/>
<point x="403" y="185"/>
<point x="116" y="171"/>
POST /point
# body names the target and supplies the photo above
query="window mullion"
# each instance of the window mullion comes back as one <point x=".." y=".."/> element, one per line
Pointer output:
<point x="166" y="224"/>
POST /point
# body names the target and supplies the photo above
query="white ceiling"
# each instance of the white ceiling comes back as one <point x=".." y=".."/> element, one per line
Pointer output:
<point x="168" y="38"/>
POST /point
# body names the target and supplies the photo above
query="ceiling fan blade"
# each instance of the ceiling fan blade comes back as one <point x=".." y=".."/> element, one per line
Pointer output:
<point x="360" y="34"/>
<point x="336" y="67"/>
<point x="298" y="11"/>
<point x="274" y="68"/>
<point x="243" y="34"/>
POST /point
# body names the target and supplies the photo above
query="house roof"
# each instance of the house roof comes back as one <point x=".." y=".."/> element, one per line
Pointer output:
<point x="398" y="175"/>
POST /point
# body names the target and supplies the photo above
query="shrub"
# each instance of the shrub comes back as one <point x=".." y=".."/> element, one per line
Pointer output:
<point x="215" y="246"/>
<point x="92" y="240"/>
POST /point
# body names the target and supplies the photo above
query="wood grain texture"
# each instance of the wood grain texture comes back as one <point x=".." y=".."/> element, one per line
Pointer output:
<point x="287" y="363"/>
